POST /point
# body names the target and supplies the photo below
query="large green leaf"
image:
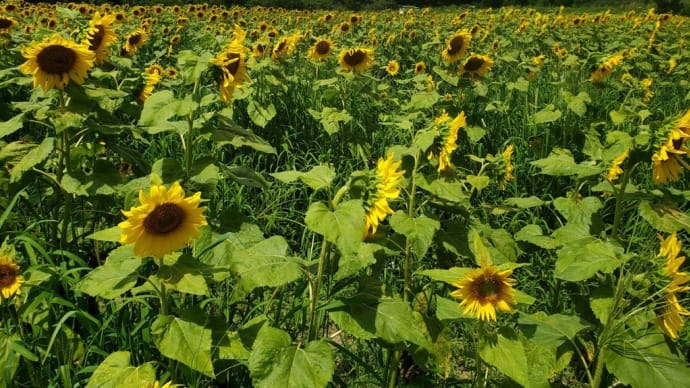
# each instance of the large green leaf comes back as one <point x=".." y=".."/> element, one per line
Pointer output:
<point x="32" y="158"/>
<point x="264" y="264"/>
<point x="275" y="362"/>
<point x="192" y="64"/>
<point x="450" y="276"/>
<point x="551" y="331"/>
<point x="261" y="115"/>
<point x="319" y="177"/>
<point x="185" y="341"/>
<point x="185" y="274"/>
<point x="104" y="180"/>
<point x="449" y="190"/>
<point x="533" y="234"/>
<point x="160" y="107"/>
<point x="117" y="372"/>
<point x="12" y="125"/>
<point x="230" y="133"/>
<point x="665" y="217"/>
<point x="117" y="276"/>
<point x="506" y="354"/>
<point x="561" y="163"/>
<point x="586" y="257"/>
<point x="344" y="226"/>
<point x="419" y="230"/>
<point x="547" y="115"/>
<point x="331" y="118"/>
<point x="577" y="104"/>
<point x="578" y="210"/>
<point x="351" y="264"/>
<point x="645" y="361"/>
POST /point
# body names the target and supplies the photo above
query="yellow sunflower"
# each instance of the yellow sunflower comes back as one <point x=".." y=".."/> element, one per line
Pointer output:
<point x="448" y="132"/>
<point x="153" y="75"/>
<point x="604" y="70"/>
<point x="507" y="167"/>
<point x="231" y="62"/>
<point x="456" y="46"/>
<point x="6" y="24"/>
<point x="55" y="60"/>
<point x="100" y="35"/>
<point x="283" y="48"/>
<point x="134" y="41"/>
<point x="485" y="289"/>
<point x="477" y="66"/>
<point x="615" y="170"/>
<point x="321" y="49"/>
<point x="164" y="222"/>
<point x="393" y="67"/>
<point x="386" y="186"/>
<point x="10" y="282"/>
<point x="669" y="315"/>
<point x="356" y="60"/>
<point x="419" y="68"/>
<point x="668" y="159"/>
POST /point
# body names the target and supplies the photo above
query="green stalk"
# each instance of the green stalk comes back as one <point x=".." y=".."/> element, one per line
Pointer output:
<point x="64" y="166"/>
<point x="163" y="293"/>
<point x="478" y="365"/>
<point x="189" y="157"/>
<point x="392" y="368"/>
<point x="618" y="213"/>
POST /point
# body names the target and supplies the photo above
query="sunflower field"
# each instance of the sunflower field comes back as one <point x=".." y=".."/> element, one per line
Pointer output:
<point x="210" y="196"/>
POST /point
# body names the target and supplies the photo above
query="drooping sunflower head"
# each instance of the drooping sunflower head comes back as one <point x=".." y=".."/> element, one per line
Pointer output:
<point x="605" y="69"/>
<point x="385" y="185"/>
<point x="615" y="169"/>
<point x="476" y="66"/>
<point x="667" y="160"/>
<point x="10" y="280"/>
<point x="134" y="41"/>
<point x="321" y="49"/>
<point x="456" y="46"/>
<point x="484" y="290"/>
<point x="393" y="67"/>
<point x="55" y="61"/>
<point x="356" y="60"/>
<point x="6" y="24"/>
<point x="100" y="35"/>
<point x="283" y="48"/>
<point x="164" y="222"/>
<point x="232" y="63"/>
<point x="506" y="166"/>
<point x="673" y="281"/>
<point x="445" y="141"/>
<point x="419" y="68"/>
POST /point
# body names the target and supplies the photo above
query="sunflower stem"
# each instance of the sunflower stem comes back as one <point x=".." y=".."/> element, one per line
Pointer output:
<point x="618" y="213"/>
<point x="478" y="378"/>
<point x="393" y="369"/>
<point x="163" y="295"/>
<point x="64" y="167"/>
<point x="411" y="212"/>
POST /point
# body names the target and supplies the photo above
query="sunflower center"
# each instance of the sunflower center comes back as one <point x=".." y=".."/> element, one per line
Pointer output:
<point x="456" y="44"/>
<point x="7" y="275"/>
<point x="474" y="64"/>
<point x="678" y="143"/>
<point x="355" y="57"/>
<point x="486" y="288"/>
<point x="56" y="59"/>
<point x="164" y="218"/>
<point x="234" y="66"/>
<point x="95" y="41"/>
<point x="345" y="27"/>
<point x="5" y="23"/>
<point x="323" y="47"/>
<point x="134" y="39"/>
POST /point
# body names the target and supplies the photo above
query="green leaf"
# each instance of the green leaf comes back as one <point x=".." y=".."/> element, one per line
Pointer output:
<point x="66" y="120"/>
<point x="32" y="158"/>
<point x="276" y="363"/>
<point x="232" y="348"/>
<point x="507" y="355"/>
<point x="475" y="133"/>
<point x="551" y="331"/>
<point x="160" y="107"/>
<point x="561" y="163"/>
<point x="319" y="177"/>
<point x="664" y="217"/>
<point x="184" y="341"/>
<point x="478" y="182"/>
<point x="449" y="276"/>
<point x="117" y="276"/>
<point x="264" y="264"/>
<point x="448" y="190"/>
<point x="168" y="169"/>
<point x="525" y="203"/>
<point x="533" y="234"/>
<point x="418" y="230"/>
<point x="422" y="100"/>
<point x="231" y="133"/>
<point x="351" y="264"/>
<point x="343" y="227"/>
<point x="520" y="84"/>
<point x="601" y="302"/>
<point x="111" y="234"/>
<point x="184" y="275"/>
<point x="102" y="181"/>
<point x="450" y="310"/>
<point x="547" y="115"/>
<point x="578" y="211"/>
<point x="577" y="104"/>
<point x="117" y="372"/>
<point x="12" y="125"/>
<point x="331" y="118"/>
<point x="260" y="115"/>
<point x="645" y="361"/>
<point x="192" y="64"/>
<point x="446" y="76"/>
<point x="205" y="172"/>
<point x="587" y="257"/>
<point x="245" y="176"/>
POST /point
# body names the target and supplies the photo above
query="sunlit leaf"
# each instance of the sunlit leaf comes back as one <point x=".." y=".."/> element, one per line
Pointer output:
<point x="184" y="341"/>
<point x="117" y="372"/>
<point x="344" y="226"/>
<point x="419" y="230"/>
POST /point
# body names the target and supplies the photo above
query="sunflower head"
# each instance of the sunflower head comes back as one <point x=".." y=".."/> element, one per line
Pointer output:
<point x="506" y="167"/>
<point x="232" y="63"/>
<point x="419" y="68"/>
<point x="6" y="24"/>
<point x="164" y="222"/>
<point x="356" y="60"/>
<point x="383" y="185"/>
<point x="668" y="159"/>
<point x="484" y="290"/>
<point x="321" y="49"/>
<point x="10" y="280"/>
<point x="445" y="141"/>
<point x="456" y="46"/>
<point x="476" y="66"/>
<point x="393" y="67"/>
<point x="100" y="36"/>
<point x="134" y="41"/>
<point x="672" y="281"/>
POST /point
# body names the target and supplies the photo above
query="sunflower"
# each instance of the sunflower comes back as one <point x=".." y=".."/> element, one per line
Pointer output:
<point x="419" y="68"/>
<point x="134" y="41"/>
<point x="385" y="187"/>
<point x="485" y="289"/>
<point x="604" y="70"/>
<point x="153" y="76"/>
<point x="672" y="63"/>
<point x="55" y="60"/>
<point x="448" y="132"/>
<point x="10" y="282"/>
<point x="667" y="160"/>
<point x="164" y="222"/>
<point x="321" y="49"/>
<point x="231" y="62"/>
<point x="508" y="167"/>
<point x="477" y="65"/>
<point x="284" y="47"/>
<point x="456" y="46"/>
<point x="100" y="35"/>
<point x="356" y="59"/>
<point x="615" y="169"/>
<point x="6" y="24"/>
<point x="669" y="315"/>
<point x="393" y="67"/>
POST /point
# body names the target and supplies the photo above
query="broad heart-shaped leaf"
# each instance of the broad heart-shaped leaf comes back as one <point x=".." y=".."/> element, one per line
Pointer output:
<point x="184" y="341"/>
<point x="577" y="104"/>
<point x="506" y="354"/>
<point x="343" y="227"/>
<point x="452" y="191"/>
<point x="117" y="372"/>
<point x="103" y="181"/>
<point x="264" y="264"/>
<point x="449" y="276"/>
<point x="32" y="158"/>
<point x="533" y="234"/>
<point x="12" y="125"/>
<point x="160" y="107"/>
<point x="645" y="361"/>
<point x="184" y="275"/>
<point x="524" y="203"/>
<point x="664" y="217"/>
<point x="551" y="331"/>
<point x="367" y="316"/>
<point x="117" y="276"/>
<point x="419" y="230"/>
<point x="544" y="362"/>
<point x="365" y="256"/>
<point x="586" y="257"/>
<point x="192" y="64"/>
<point x="547" y="115"/>
<point x="578" y="211"/>
<point x="561" y="163"/>
<point x="275" y="362"/>
<point x="261" y="115"/>
<point x="245" y="176"/>
<point x="111" y="234"/>
<point x="331" y="118"/>
<point x="230" y="133"/>
<point x="319" y="177"/>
